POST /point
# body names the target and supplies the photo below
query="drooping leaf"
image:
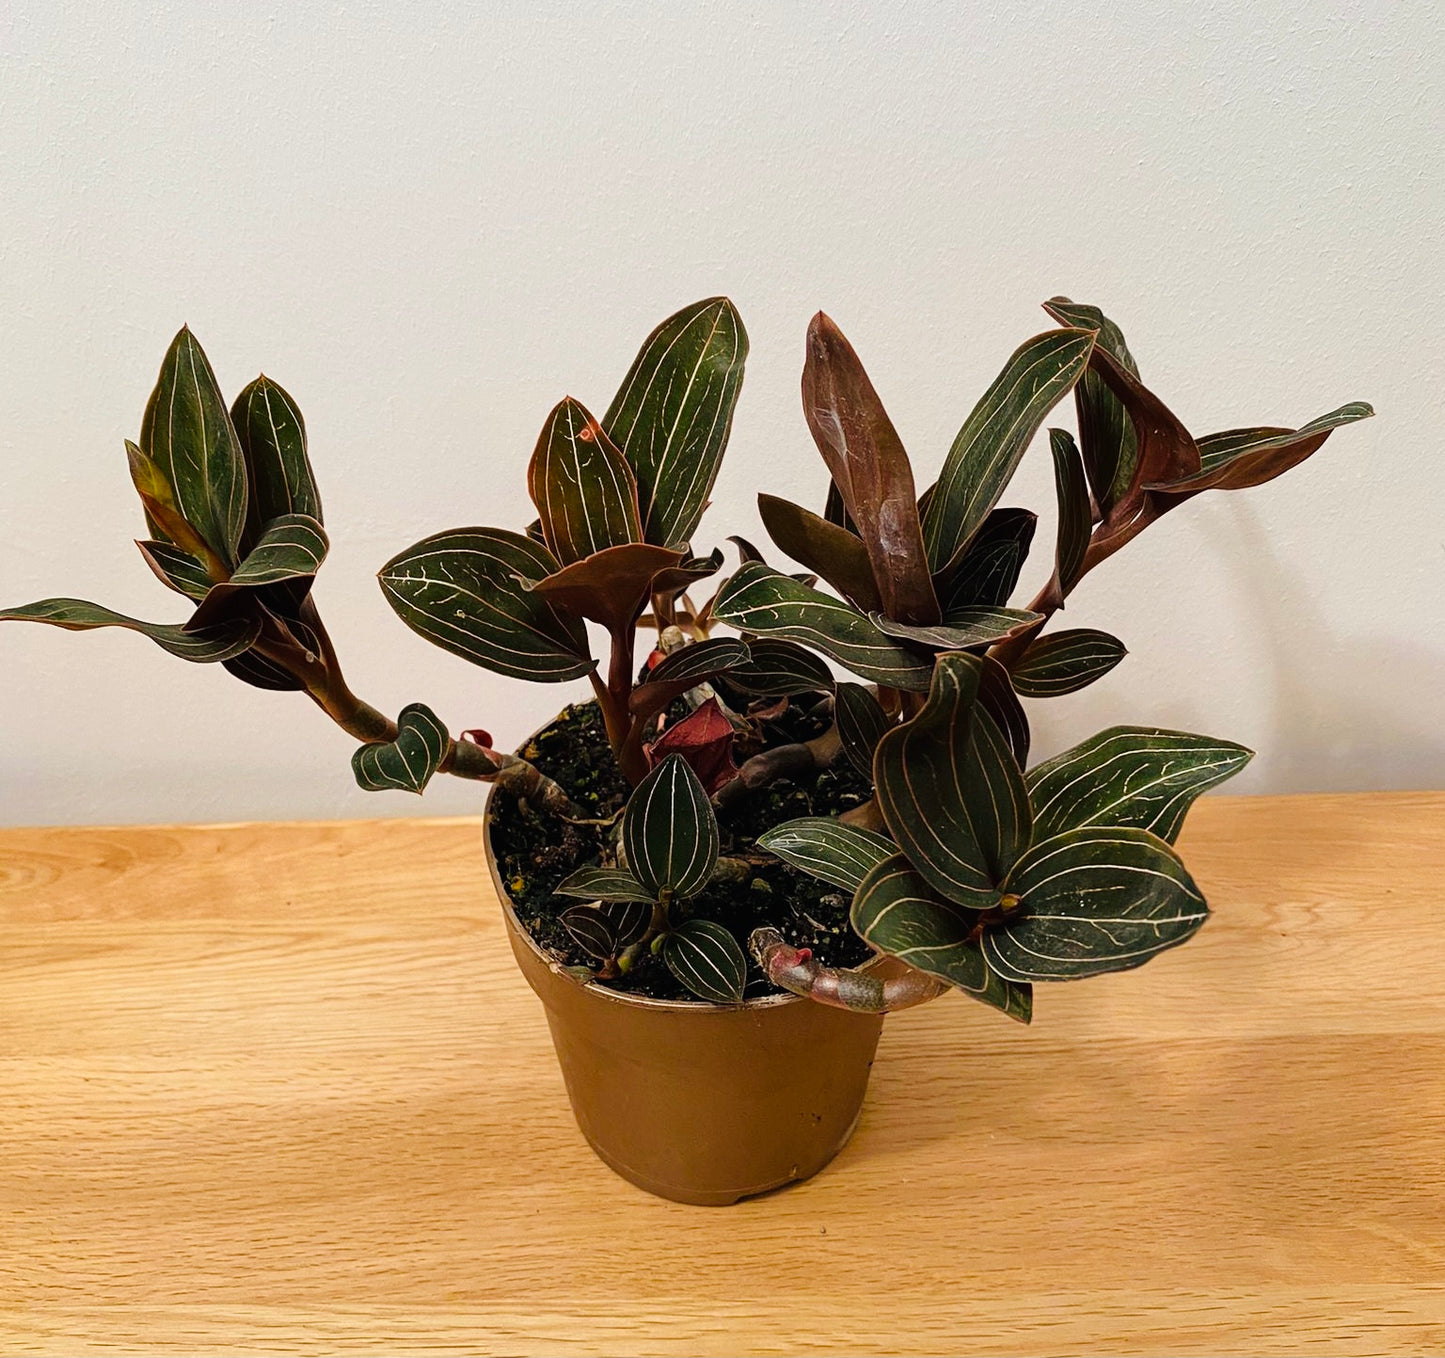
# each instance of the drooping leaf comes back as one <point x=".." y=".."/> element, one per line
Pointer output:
<point x="997" y="697"/>
<point x="861" y="725"/>
<point x="187" y="431"/>
<point x="833" y="553"/>
<point x="762" y="600"/>
<point x="1076" y="519"/>
<point x="704" y="739"/>
<point x="1138" y="777"/>
<point x="950" y="790"/>
<point x="965" y="627"/>
<point x="685" y="669"/>
<point x="988" y="448"/>
<point x="1064" y="662"/>
<point x="872" y="473"/>
<point x="1091" y="901"/>
<point x="604" y="929"/>
<point x="1110" y="449"/>
<point x="612" y="587"/>
<point x="272" y="435"/>
<point x="779" y="669"/>
<point x="985" y="573"/>
<point x="466" y="591"/>
<point x="176" y="569"/>
<point x="604" y="884"/>
<point x="407" y="763"/>
<point x="706" y="959"/>
<point x="672" y="415"/>
<point x="669" y="833"/>
<point x="221" y="642"/>
<point x="1239" y="458"/>
<point x="898" y="913"/>
<point x="827" y="848"/>
<point x="585" y="493"/>
<point x="672" y="580"/>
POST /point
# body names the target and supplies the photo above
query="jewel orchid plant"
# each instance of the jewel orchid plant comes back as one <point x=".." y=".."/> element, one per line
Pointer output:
<point x="967" y="868"/>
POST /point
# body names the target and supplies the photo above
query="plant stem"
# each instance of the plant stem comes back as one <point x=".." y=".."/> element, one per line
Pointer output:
<point x="840" y="987"/>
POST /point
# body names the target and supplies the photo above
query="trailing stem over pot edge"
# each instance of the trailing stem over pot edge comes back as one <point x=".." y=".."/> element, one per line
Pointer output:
<point x="969" y="868"/>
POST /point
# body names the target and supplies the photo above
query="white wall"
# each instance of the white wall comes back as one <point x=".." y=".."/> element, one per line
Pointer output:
<point x="430" y="221"/>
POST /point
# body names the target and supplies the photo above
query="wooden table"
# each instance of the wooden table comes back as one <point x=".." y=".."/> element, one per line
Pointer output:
<point x="279" y="1088"/>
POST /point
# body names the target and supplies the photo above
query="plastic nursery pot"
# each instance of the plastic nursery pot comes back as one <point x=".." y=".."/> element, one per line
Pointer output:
<point x="696" y="1102"/>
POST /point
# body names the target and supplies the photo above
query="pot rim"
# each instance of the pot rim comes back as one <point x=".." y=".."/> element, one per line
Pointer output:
<point x="758" y="1002"/>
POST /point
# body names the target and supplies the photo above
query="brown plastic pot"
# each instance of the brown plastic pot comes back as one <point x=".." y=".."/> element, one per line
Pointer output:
<point x="697" y="1102"/>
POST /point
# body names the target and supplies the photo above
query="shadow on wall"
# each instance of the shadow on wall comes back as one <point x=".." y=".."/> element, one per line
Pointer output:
<point x="1342" y="705"/>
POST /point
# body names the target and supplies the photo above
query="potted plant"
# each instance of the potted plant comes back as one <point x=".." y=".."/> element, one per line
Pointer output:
<point x="722" y="871"/>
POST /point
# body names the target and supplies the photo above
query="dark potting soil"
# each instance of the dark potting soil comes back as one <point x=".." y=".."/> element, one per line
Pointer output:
<point x="536" y="850"/>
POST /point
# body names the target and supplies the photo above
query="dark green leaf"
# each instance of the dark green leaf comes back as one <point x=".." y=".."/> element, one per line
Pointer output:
<point x="669" y="834"/>
<point x="827" y="848"/>
<point x="950" y="790"/>
<point x="584" y="490"/>
<point x="289" y="551"/>
<point x="872" y="473"/>
<point x="1076" y="520"/>
<point x="833" y="553"/>
<point x="176" y="569"/>
<point x="672" y="415"/>
<point x="1064" y="662"/>
<point x="779" y="669"/>
<point x="604" y="884"/>
<point x="898" y="913"/>
<point x="861" y="724"/>
<point x="1239" y="458"/>
<point x="604" y="929"/>
<point x="1110" y="448"/>
<point x="1091" y="901"/>
<point x="221" y="642"/>
<point x="985" y="573"/>
<point x="611" y="587"/>
<point x="187" y="430"/>
<point x="254" y="669"/>
<point x="988" y="448"/>
<point x="408" y="762"/>
<point x="1133" y="776"/>
<point x="467" y="591"/>
<point x="672" y="580"/>
<point x="685" y="669"/>
<point x="272" y="434"/>
<point x="760" y="599"/>
<point x="965" y="627"/>
<point x="706" y="959"/>
<point x="997" y="697"/>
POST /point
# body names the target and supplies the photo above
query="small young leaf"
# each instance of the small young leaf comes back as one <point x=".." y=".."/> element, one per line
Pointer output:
<point x="828" y="849"/>
<point x="187" y="430"/>
<point x="272" y="433"/>
<point x="669" y="833"/>
<point x="673" y="413"/>
<point x="759" y="599"/>
<point x="686" y="669"/>
<point x="603" y="884"/>
<point x="872" y="473"/>
<point x="707" y="959"/>
<point x="289" y="551"/>
<point x="896" y="912"/>
<point x="704" y="739"/>
<point x="585" y="493"/>
<point x="220" y="642"/>
<point x="408" y="762"/>
<point x="176" y="569"/>
<point x="1075" y="517"/>
<point x="466" y="591"/>
<point x="1092" y="901"/>
<point x="779" y="669"/>
<point x="1133" y="776"/>
<point x="984" y="572"/>
<point x="862" y="723"/>
<point x="604" y="929"/>
<point x="988" y="448"/>
<point x="1064" y="662"/>
<point x="950" y="790"/>
<point x="833" y="553"/>
<point x="672" y="580"/>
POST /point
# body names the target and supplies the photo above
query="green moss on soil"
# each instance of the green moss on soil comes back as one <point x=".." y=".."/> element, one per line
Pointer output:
<point x="536" y="850"/>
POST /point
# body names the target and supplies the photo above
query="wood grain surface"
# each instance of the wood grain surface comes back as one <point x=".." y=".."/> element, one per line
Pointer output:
<point x="279" y="1089"/>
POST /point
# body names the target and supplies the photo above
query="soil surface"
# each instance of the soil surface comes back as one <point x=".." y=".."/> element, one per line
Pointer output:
<point x="536" y="850"/>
